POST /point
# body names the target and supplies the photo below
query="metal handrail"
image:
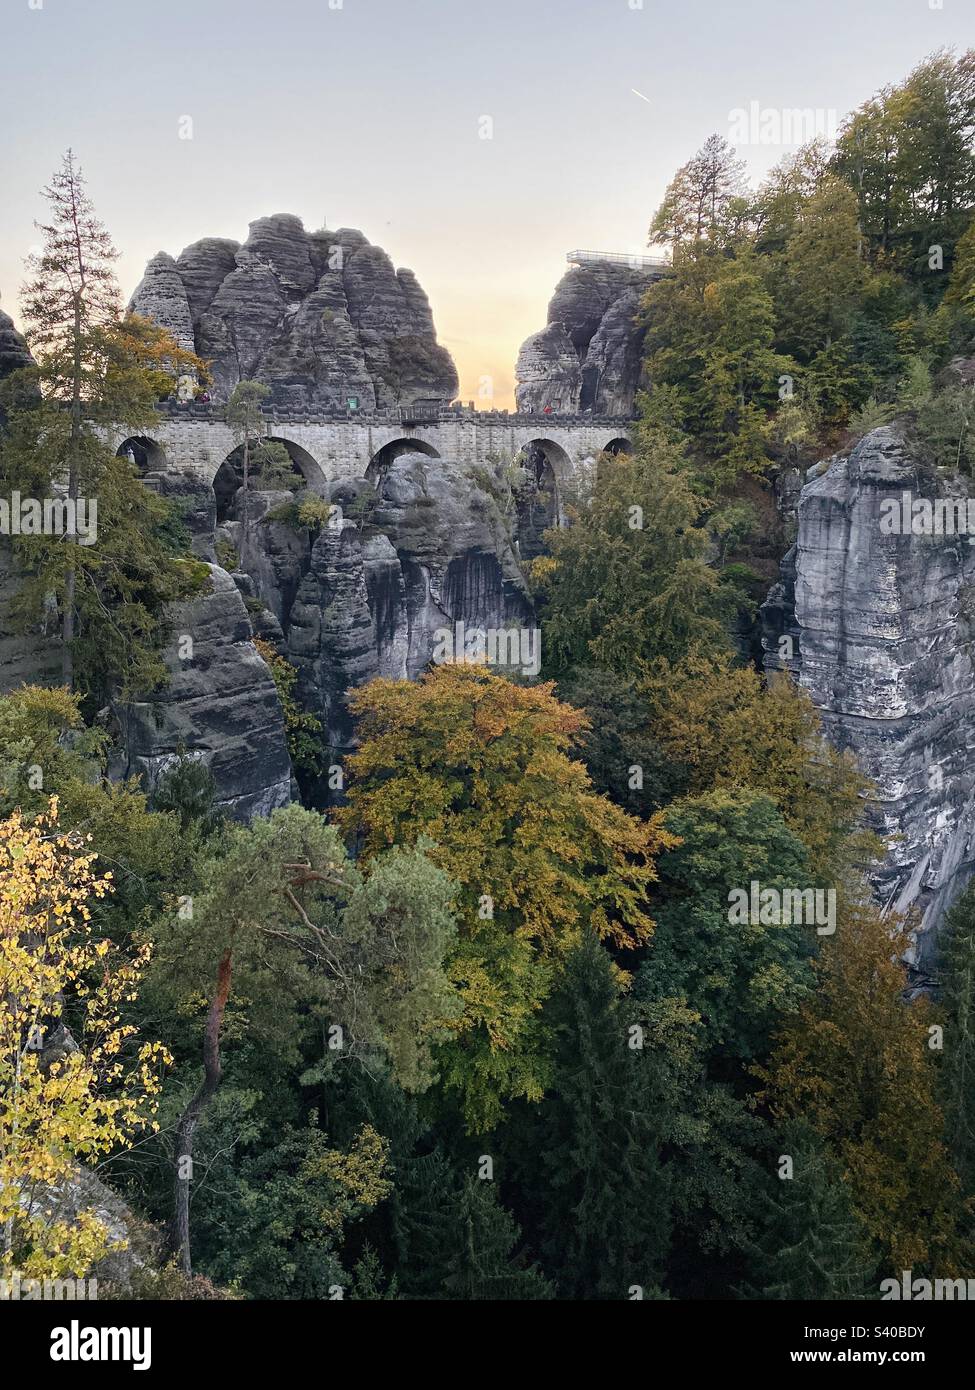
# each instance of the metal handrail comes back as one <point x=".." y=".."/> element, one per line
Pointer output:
<point x="618" y="258"/>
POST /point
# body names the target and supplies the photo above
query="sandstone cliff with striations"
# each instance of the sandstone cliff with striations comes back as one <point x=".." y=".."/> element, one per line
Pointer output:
<point x="219" y="705"/>
<point x="319" y="317"/>
<point x="882" y="628"/>
<point x="589" y="355"/>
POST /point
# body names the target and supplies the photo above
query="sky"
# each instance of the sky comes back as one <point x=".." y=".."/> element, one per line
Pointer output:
<point x="476" y="141"/>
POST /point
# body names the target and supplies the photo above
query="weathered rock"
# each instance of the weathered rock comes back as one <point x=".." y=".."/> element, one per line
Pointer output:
<point x="26" y="658"/>
<point x="195" y="502"/>
<point x="318" y="317"/>
<point x="548" y="372"/>
<point x="275" y="554"/>
<point x="130" y="1241"/>
<point x="332" y="637"/>
<point x="613" y="364"/>
<point x="161" y="295"/>
<point x="457" y="559"/>
<point x="220" y="705"/>
<point x="14" y="353"/>
<point x="590" y="355"/>
<point x="884" y="626"/>
<point x="434" y="552"/>
<point x="203" y="267"/>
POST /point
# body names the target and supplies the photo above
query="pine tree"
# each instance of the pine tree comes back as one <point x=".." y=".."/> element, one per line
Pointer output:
<point x="96" y="371"/>
<point x="482" y="1263"/>
<point x="856" y="1063"/>
<point x="455" y="1239"/>
<point x="810" y="1245"/>
<point x="72" y="296"/>
<point x="603" y="1191"/>
<point x="958" y="1066"/>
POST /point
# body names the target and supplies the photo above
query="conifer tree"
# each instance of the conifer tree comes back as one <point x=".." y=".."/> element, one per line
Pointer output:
<point x="455" y="1239"/>
<point x="958" y="1063"/>
<point x="809" y="1245"/>
<point x="603" y="1188"/>
<point x="96" y="371"/>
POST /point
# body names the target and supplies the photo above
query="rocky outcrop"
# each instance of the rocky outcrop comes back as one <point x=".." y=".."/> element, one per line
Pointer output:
<point x="318" y="317"/>
<point x="589" y="355"/>
<point x="14" y="354"/>
<point x="434" y="551"/>
<point x="220" y="705"/>
<point x="162" y="296"/>
<point x="880" y="630"/>
<point x="31" y="657"/>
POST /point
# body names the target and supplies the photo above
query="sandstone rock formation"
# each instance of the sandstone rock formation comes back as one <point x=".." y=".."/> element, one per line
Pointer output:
<point x="318" y="317"/>
<point x="425" y="550"/>
<point x="220" y="705"/>
<point x="26" y="658"/>
<point x="14" y="355"/>
<point x="882" y="628"/>
<point x="13" y="350"/>
<point x="589" y="355"/>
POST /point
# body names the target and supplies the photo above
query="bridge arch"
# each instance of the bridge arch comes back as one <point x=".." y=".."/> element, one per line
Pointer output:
<point x="547" y="468"/>
<point x="306" y="470"/>
<point x="619" y="445"/>
<point x="380" y="462"/>
<point x="147" y="454"/>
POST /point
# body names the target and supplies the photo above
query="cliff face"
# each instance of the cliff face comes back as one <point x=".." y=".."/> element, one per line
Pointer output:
<point x="318" y="317"/>
<point x="882" y="630"/>
<point x="13" y="349"/>
<point x="369" y="597"/>
<point x="588" y="357"/>
<point x="426" y="549"/>
<point x="220" y="705"/>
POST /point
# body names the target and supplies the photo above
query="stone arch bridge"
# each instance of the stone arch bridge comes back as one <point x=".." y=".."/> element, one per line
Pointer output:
<point x="329" y="448"/>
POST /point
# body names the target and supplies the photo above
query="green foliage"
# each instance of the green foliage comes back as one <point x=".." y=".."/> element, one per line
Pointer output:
<point x="601" y="1201"/>
<point x="841" y="268"/>
<point x="187" y="788"/>
<point x="741" y="977"/>
<point x="628" y="582"/>
<point x="457" y="1241"/>
<point x="303" y="925"/>
<point x="306" y="737"/>
<point x="944" y="428"/>
<point x="623" y="758"/>
<point x="276" y="1222"/>
<point x="108" y="587"/>
<point x="481" y="766"/>
<point x="46" y="750"/>
<point x="809" y="1246"/>
<point x="958" y="1066"/>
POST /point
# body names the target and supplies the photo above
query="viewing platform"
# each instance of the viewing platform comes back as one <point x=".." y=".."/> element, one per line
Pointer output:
<point x="653" y="265"/>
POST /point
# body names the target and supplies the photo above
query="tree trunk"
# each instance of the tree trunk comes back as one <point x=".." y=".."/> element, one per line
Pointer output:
<point x="180" y="1230"/>
<point x="74" y="455"/>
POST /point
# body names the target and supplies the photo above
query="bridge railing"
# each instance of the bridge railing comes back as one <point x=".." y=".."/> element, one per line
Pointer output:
<point x="618" y="258"/>
<point x="407" y="417"/>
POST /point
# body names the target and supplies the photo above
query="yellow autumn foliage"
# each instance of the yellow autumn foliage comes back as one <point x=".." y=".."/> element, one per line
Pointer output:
<point x="73" y="1084"/>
